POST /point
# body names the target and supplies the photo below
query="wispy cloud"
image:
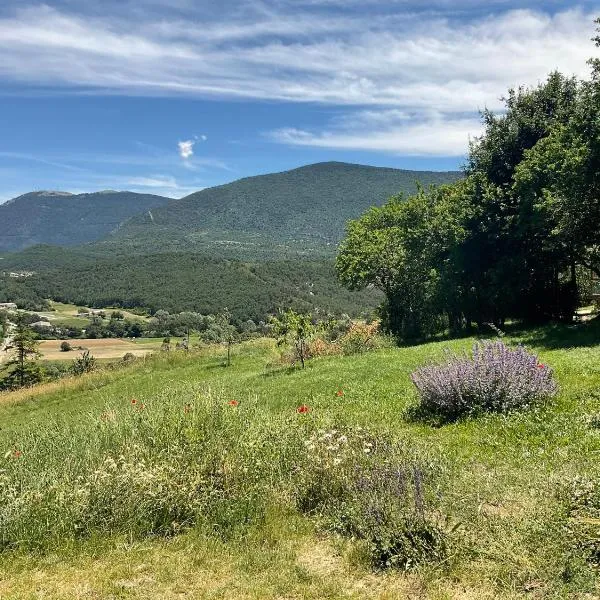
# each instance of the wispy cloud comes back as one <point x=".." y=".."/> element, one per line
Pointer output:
<point x="430" y="62"/>
<point x="437" y="69"/>
<point x="390" y="133"/>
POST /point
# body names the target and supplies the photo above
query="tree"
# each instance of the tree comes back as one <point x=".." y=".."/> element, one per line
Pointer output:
<point x="403" y="249"/>
<point x="297" y="329"/>
<point x="227" y="332"/>
<point x="509" y="239"/>
<point x="24" y="370"/>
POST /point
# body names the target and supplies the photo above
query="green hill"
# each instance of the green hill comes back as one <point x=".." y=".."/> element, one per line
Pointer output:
<point x="64" y="219"/>
<point x="305" y="208"/>
<point x="146" y="482"/>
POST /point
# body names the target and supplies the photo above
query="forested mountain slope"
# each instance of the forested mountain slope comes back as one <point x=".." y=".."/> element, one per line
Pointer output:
<point x="306" y="207"/>
<point x="64" y="219"/>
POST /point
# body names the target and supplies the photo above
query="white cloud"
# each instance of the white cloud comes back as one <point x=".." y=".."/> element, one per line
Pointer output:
<point x="389" y="132"/>
<point x="401" y="61"/>
<point x="186" y="149"/>
<point x="417" y="64"/>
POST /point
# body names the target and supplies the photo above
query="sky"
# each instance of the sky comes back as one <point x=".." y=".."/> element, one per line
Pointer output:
<point x="171" y="96"/>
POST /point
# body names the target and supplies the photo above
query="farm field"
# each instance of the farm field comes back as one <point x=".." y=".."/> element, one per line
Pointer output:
<point x="108" y="348"/>
<point x="502" y="480"/>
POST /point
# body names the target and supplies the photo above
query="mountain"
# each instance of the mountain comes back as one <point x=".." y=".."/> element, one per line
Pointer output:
<point x="305" y="208"/>
<point x="64" y="219"/>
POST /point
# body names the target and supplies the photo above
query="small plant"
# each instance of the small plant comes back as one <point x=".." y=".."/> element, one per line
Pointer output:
<point x="496" y="379"/>
<point x="361" y="337"/>
<point x="361" y="488"/>
<point x="129" y="357"/>
<point x="83" y="364"/>
<point x="65" y="347"/>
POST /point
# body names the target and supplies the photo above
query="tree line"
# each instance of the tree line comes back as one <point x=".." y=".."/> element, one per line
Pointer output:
<point x="518" y="237"/>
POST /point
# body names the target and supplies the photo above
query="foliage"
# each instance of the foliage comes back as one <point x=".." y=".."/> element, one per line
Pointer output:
<point x="509" y="240"/>
<point x="23" y="371"/>
<point x="227" y="332"/>
<point x="297" y="330"/>
<point x="65" y="219"/>
<point x="361" y="487"/>
<point x="83" y="364"/>
<point x="250" y="290"/>
<point x="496" y="378"/>
<point x="65" y="346"/>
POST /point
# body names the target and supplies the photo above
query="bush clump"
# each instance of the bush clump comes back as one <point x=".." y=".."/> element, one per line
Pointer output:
<point x="495" y="378"/>
<point x="362" y="488"/>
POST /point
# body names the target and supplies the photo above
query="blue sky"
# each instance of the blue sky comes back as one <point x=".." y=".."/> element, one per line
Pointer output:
<point x="170" y="96"/>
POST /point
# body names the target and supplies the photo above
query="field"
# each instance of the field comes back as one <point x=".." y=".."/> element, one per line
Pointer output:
<point x="502" y="480"/>
<point x="109" y="348"/>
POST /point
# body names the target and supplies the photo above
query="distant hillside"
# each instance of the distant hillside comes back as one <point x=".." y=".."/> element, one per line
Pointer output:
<point x="64" y="219"/>
<point x="179" y="281"/>
<point x="305" y="207"/>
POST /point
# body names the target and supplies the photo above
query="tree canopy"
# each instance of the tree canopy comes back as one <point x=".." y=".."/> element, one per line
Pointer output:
<point x="508" y="241"/>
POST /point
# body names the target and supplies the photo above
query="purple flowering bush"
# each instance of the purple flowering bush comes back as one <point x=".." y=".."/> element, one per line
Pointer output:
<point x="496" y="378"/>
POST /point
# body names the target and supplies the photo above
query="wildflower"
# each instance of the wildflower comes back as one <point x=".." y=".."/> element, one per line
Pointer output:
<point x="302" y="409"/>
<point x="133" y="401"/>
<point x="142" y="406"/>
<point x="233" y="403"/>
<point x="17" y="454"/>
<point x="541" y="366"/>
<point x="337" y="461"/>
<point x="342" y="439"/>
<point x="187" y="408"/>
<point x="339" y="393"/>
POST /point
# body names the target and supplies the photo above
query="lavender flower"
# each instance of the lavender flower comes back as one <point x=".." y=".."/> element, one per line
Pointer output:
<point x="496" y="378"/>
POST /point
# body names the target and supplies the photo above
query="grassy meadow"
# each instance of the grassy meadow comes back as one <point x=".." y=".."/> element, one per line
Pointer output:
<point x="176" y="477"/>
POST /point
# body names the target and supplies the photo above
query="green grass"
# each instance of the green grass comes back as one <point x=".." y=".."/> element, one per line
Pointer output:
<point x="498" y="486"/>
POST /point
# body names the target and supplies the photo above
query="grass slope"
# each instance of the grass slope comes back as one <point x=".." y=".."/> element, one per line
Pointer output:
<point x="64" y="219"/>
<point x="501" y="475"/>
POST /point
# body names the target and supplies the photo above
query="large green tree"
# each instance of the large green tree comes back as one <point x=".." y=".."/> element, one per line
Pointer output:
<point x="509" y="239"/>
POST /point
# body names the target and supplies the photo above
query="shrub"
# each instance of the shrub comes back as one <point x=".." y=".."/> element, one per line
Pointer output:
<point x="496" y="378"/>
<point x="363" y="489"/>
<point x="83" y="364"/>
<point x="361" y="337"/>
<point x="65" y="347"/>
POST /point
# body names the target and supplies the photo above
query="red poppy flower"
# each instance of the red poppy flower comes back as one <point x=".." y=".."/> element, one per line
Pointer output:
<point x="541" y="366"/>
<point x="302" y="409"/>
<point x="233" y="403"/>
<point x="17" y="454"/>
<point x="133" y="401"/>
<point x="339" y="393"/>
